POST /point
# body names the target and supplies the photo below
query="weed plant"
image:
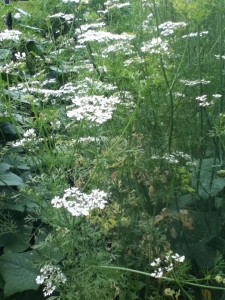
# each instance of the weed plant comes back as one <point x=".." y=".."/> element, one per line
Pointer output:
<point x="112" y="125"/>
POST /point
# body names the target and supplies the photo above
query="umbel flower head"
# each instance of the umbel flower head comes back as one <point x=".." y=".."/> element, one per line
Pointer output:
<point x="96" y="109"/>
<point x="51" y="277"/>
<point x="78" y="203"/>
<point x="166" y="265"/>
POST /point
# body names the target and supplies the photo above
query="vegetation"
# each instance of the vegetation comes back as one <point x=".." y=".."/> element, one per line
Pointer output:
<point x="112" y="173"/>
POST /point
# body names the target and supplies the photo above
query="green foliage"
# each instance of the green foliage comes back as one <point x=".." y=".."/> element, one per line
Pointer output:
<point x="18" y="271"/>
<point x="208" y="183"/>
<point x="160" y="156"/>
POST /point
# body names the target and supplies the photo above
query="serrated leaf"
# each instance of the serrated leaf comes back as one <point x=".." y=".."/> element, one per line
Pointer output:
<point x="19" y="272"/>
<point x="10" y="179"/>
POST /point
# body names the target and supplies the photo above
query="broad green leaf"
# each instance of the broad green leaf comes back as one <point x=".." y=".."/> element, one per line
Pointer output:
<point x="4" y="54"/>
<point x="15" y="163"/>
<point x="10" y="179"/>
<point x="4" y="167"/>
<point x="22" y="203"/>
<point x="8" y="129"/>
<point x="17" y="241"/>
<point x="209" y="183"/>
<point x="19" y="272"/>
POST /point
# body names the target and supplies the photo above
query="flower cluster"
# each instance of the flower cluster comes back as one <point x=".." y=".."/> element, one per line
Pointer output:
<point x="96" y="109"/>
<point x="76" y="1"/>
<point x="65" y="92"/>
<point x="168" y="28"/>
<point x="28" y="136"/>
<point x="121" y="46"/>
<point x="156" y="46"/>
<point x="12" y="67"/>
<point x="20" y="55"/>
<point x="166" y="264"/>
<point x="203" y="101"/>
<point x="174" y="158"/>
<point x="194" y="82"/>
<point x="67" y="17"/>
<point x="146" y="24"/>
<point x="78" y="203"/>
<point x="103" y="36"/>
<point x="51" y="276"/>
<point x="10" y="35"/>
<point x="195" y="34"/>
<point x="114" y="4"/>
<point x="87" y="27"/>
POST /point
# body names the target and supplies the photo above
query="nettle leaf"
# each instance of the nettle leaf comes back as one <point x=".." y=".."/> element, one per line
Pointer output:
<point x="10" y="179"/>
<point x="209" y="183"/>
<point x="19" y="272"/>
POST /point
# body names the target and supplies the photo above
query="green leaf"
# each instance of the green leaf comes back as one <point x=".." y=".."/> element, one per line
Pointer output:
<point x="17" y="241"/>
<point x="10" y="179"/>
<point x="8" y="128"/>
<point x="16" y="163"/>
<point x="22" y="203"/>
<point x="4" y="167"/>
<point x="32" y="28"/>
<point x="208" y="182"/>
<point x="19" y="272"/>
<point x="22" y="12"/>
<point x="4" y="54"/>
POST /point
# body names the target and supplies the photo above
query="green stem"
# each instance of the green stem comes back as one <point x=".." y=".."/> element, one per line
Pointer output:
<point x="179" y="282"/>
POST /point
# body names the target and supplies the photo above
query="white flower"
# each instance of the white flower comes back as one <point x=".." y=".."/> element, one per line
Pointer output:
<point x="67" y="1"/>
<point x="102" y="36"/>
<point x="194" y="82"/>
<point x="203" y="101"/>
<point x="67" y="17"/>
<point x="51" y="276"/>
<point x="17" y="16"/>
<point x="20" y="55"/>
<point x="195" y="34"/>
<point x="78" y="203"/>
<point x="96" y="109"/>
<point x="12" y="35"/>
<point x="29" y="133"/>
<point x="156" y="262"/>
<point x="167" y="264"/>
<point x="156" y="46"/>
<point x="168" y="28"/>
<point x="178" y="258"/>
<point x="217" y="96"/>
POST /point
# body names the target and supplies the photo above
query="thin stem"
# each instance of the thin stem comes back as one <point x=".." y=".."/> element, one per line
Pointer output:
<point x="179" y="282"/>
